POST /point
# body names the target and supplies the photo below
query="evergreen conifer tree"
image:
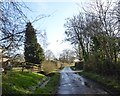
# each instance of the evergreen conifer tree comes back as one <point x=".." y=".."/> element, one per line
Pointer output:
<point x="32" y="50"/>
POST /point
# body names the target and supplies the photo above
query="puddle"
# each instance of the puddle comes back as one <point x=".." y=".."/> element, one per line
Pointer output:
<point x="82" y="83"/>
<point x="86" y="84"/>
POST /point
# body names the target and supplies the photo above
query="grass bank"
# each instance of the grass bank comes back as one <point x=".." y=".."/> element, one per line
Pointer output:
<point x="74" y="68"/>
<point x="50" y="87"/>
<point x="24" y="83"/>
<point x="110" y="82"/>
<point x="16" y="82"/>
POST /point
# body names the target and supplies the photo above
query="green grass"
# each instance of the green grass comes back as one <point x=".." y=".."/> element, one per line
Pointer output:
<point x="74" y="68"/>
<point x="16" y="82"/>
<point x="110" y="81"/>
<point x="51" y="86"/>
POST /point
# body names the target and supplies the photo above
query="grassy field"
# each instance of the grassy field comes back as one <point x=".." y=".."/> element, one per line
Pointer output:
<point x="16" y="82"/>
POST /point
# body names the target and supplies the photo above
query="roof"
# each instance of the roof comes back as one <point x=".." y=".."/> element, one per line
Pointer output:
<point x="4" y="60"/>
<point x="1" y="48"/>
<point x="76" y="60"/>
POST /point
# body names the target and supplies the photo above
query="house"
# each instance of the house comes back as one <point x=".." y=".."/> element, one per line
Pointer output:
<point x="4" y="60"/>
<point x="78" y="63"/>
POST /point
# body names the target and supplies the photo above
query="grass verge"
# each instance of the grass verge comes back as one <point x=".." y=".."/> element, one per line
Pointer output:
<point x="51" y="86"/>
<point x="74" y="68"/>
<point x="110" y="82"/>
<point x="16" y="82"/>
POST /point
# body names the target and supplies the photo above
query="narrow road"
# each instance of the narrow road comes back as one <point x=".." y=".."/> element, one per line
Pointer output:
<point x="72" y="83"/>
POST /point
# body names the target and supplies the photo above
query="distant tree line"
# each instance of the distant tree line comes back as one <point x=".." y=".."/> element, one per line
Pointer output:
<point x="67" y="56"/>
<point x="96" y="34"/>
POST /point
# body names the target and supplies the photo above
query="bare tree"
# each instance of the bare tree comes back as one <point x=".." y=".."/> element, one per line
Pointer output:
<point x="12" y="23"/>
<point x="67" y="56"/>
<point x="49" y="55"/>
<point x="96" y="34"/>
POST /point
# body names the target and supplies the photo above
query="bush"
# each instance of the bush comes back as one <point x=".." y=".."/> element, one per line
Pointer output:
<point x="49" y="66"/>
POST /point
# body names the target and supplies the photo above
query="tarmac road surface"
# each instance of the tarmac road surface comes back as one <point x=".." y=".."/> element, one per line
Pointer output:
<point x="72" y="83"/>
